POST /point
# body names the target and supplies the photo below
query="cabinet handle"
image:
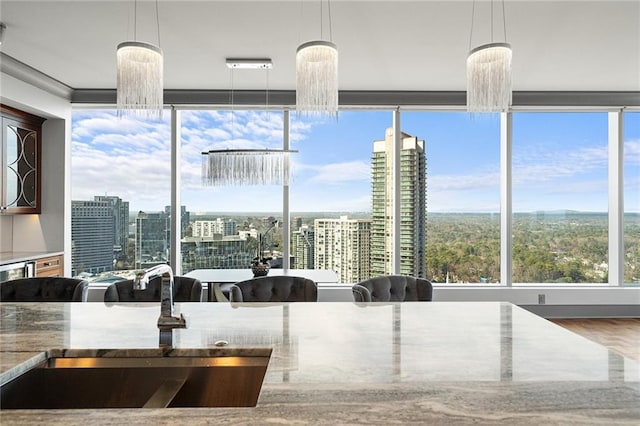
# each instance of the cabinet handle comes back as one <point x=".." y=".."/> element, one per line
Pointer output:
<point x="47" y="264"/>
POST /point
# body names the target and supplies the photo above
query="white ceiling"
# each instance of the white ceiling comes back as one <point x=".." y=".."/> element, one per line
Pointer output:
<point x="383" y="45"/>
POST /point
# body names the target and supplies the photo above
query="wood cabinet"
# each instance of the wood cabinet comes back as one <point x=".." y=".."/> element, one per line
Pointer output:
<point x="50" y="266"/>
<point x="20" y="159"/>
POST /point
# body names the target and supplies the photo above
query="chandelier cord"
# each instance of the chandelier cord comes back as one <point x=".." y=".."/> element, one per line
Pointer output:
<point x="491" y="21"/>
<point x="135" y="20"/>
<point x="300" y="21"/>
<point x="231" y="71"/>
<point x="504" y="22"/>
<point x="473" y="13"/>
<point x="267" y="95"/>
<point x="158" y="23"/>
<point x="321" y="23"/>
<point x="330" y="29"/>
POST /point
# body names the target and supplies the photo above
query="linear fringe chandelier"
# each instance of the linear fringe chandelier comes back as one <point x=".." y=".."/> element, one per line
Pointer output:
<point x="140" y="76"/>
<point x="489" y="72"/>
<point x="246" y="167"/>
<point x="317" y="75"/>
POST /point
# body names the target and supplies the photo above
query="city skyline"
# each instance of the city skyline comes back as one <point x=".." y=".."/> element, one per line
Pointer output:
<point x="557" y="160"/>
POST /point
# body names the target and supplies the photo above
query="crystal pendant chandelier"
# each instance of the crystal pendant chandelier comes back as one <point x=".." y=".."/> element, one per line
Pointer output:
<point x="489" y="73"/>
<point x="140" y="77"/>
<point x="317" y="75"/>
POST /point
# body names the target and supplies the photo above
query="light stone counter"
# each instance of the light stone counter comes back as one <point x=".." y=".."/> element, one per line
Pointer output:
<point x="7" y="257"/>
<point x="342" y="363"/>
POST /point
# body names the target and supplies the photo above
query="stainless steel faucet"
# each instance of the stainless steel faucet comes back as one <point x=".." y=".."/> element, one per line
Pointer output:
<point x="167" y="321"/>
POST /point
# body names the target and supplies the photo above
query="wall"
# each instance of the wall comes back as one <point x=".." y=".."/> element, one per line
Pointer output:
<point x="580" y="301"/>
<point x="44" y="232"/>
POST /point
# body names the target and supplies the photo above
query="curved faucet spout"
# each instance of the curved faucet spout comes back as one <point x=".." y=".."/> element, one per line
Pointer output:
<point x="141" y="280"/>
<point x="167" y="321"/>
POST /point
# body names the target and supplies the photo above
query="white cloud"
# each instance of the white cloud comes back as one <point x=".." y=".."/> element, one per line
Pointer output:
<point x="542" y="165"/>
<point x="339" y="172"/>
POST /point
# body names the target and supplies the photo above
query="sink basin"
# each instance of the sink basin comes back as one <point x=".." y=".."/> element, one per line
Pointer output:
<point x="141" y="379"/>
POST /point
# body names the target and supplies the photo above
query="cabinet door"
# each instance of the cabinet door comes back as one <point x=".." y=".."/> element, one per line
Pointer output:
<point x="20" y="165"/>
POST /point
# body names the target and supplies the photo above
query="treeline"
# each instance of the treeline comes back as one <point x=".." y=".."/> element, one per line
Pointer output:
<point x="547" y="248"/>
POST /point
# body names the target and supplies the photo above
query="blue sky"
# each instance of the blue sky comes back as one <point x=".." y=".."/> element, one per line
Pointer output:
<point x="559" y="160"/>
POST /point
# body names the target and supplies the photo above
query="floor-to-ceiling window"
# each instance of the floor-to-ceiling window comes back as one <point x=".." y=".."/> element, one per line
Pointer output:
<point x="340" y="195"/>
<point x="229" y="222"/>
<point x="121" y="183"/>
<point x="337" y="207"/>
<point x="560" y="197"/>
<point x="463" y="195"/>
<point x="631" y="238"/>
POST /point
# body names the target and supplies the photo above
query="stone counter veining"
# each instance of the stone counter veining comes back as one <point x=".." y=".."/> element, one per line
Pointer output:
<point x="343" y="363"/>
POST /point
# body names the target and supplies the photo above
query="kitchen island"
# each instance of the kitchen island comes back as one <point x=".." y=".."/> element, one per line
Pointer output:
<point x="347" y="363"/>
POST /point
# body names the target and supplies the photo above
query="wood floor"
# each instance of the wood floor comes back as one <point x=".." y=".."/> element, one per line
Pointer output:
<point x="621" y="335"/>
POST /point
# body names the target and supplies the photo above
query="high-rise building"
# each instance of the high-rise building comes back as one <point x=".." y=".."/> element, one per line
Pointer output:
<point x="120" y="224"/>
<point x="302" y="250"/>
<point x="208" y="228"/>
<point x="413" y="207"/>
<point x="185" y="218"/>
<point x="204" y="228"/>
<point x="296" y="222"/>
<point x="342" y="245"/>
<point x="152" y="239"/>
<point x="92" y="226"/>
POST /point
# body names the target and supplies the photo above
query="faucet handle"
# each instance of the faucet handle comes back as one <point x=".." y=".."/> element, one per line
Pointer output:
<point x="170" y="322"/>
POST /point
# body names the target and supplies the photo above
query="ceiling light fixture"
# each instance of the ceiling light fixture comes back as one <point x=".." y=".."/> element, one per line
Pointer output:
<point x="489" y="72"/>
<point x="140" y="75"/>
<point x="317" y="74"/>
<point x="246" y="166"/>
<point x="249" y="63"/>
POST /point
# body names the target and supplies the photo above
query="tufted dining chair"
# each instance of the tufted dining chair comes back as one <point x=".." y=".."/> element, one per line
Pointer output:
<point x="393" y="288"/>
<point x="44" y="289"/>
<point x="274" y="289"/>
<point x="185" y="289"/>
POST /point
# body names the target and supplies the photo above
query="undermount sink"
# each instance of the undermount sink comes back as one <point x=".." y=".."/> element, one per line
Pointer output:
<point x="140" y="378"/>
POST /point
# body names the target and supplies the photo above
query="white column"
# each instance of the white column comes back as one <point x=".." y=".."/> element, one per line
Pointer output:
<point x="506" y="212"/>
<point x="286" y="220"/>
<point x="395" y="231"/>
<point x="176" y="216"/>
<point x="616" y="199"/>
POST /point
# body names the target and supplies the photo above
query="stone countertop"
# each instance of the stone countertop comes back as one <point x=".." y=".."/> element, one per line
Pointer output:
<point x="347" y="363"/>
<point x="7" y="257"/>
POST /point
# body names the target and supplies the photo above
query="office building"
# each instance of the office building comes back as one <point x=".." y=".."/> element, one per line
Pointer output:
<point x="412" y="206"/>
<point x="185" y="218"/>
<point x="92" y="226"/>
<point x="152" y="239"/>
<point x="120" y="225"/>
<point x="343" y="245"/>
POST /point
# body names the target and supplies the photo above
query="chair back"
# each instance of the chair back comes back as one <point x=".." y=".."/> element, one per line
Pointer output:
<point x="393" y="288"/>
<point x="274" y="289"/>
<point x="44" y="289"/>
<point x="185" y="289"/>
